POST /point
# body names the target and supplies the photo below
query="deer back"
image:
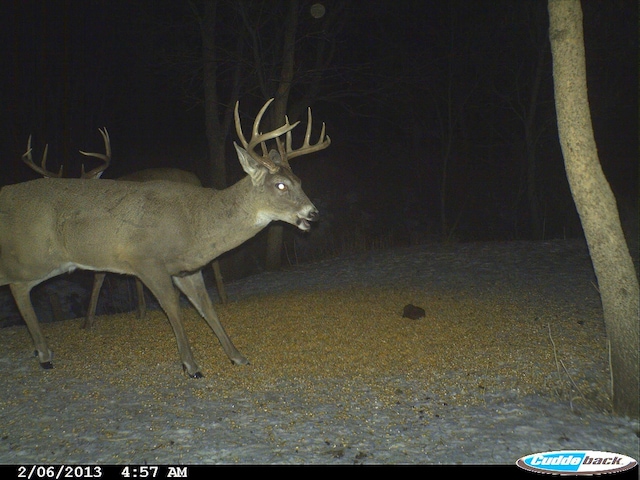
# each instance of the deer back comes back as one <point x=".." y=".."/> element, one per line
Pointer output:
<point x="171" y="174"/>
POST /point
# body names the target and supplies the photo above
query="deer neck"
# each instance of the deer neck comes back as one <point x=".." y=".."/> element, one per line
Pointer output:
<point x="235" y="218"/>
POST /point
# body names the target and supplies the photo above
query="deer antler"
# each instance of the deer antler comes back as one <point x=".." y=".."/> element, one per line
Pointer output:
<point x="26" y="157"/>
<point x="322" y="143"/>
<point x="97" y="172"/>
<point x="258" y="138"/>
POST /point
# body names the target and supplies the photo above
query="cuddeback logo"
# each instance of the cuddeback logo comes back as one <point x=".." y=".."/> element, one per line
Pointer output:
<point x="580" y="462"/>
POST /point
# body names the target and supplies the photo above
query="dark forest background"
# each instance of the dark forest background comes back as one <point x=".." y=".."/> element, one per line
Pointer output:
<point x="441" y="113"/>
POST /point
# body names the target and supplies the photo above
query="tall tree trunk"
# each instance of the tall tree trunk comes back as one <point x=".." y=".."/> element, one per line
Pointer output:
<point x="447" y="131"/>
<point x="274" y="234"/>
<point x="215" y="174"/>
<point x="596" y="204"/>
<point x="66" y="96"/>
<point x="216" y="171"/>
<point x="530" y="146"/>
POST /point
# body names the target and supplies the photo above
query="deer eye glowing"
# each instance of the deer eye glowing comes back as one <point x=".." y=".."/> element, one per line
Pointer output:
<point x="281" y="186"/>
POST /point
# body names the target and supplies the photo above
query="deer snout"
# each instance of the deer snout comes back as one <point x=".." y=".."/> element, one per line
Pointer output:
<point x="313" y="215"/>
<point x="305" y="217"/>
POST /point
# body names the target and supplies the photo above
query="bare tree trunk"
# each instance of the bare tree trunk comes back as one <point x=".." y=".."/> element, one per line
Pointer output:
<point x="530" y="146"/>
<point x="216" y="171"/>
<point x="596" y="204"/>
<point x="447" y="128"/>
<point x="274" y="234"/>
<point x="216" y="168"/>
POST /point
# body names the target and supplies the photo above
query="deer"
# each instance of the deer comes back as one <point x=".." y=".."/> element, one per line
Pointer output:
<point x="149" y="174"/>
<point x="161" y="232"/>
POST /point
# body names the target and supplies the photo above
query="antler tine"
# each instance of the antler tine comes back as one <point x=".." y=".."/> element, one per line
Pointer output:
<point x="28" y="159"/>
<point x="258" y="138"/>
<point x="322" y="143"/>
<point x="106" y="157"/>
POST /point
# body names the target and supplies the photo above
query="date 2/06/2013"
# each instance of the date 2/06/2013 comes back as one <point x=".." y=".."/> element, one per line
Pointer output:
<point x="59" y="472"/>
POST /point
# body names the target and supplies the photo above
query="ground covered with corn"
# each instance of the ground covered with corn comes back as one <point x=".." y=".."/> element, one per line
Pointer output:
<point x="510" y="359"/>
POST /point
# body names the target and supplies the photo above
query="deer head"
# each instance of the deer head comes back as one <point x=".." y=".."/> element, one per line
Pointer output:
<point x="271" y="170"/>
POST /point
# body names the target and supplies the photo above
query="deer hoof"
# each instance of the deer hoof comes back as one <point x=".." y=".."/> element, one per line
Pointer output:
<point x="47" y="365"/>
<point x="197" y="374"/>
<point x="239" y="360"/>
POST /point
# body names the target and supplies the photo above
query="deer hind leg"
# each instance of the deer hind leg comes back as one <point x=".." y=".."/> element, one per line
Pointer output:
<point x="98" y="279"/>
<point x="219" y="282"/>
<point x="159" y="283"/>
<point x="142" y="304"/>
<point x="21" y="294"/>
<point x="194" y="288"/>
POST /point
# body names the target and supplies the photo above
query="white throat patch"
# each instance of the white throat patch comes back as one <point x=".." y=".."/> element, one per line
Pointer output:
<point x="263" y="219"/>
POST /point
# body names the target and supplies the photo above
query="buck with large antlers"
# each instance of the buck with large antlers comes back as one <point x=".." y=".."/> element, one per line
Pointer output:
<point x="161" y="232"/>
<point x="146" y="175"/>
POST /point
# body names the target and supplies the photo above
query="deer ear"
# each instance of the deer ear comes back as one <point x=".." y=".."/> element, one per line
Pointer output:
<point x="252" y="168"/>
<point x="275" y="157"/>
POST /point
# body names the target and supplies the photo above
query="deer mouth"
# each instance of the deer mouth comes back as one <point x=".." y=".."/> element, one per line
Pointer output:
<point x="303" y="223"/>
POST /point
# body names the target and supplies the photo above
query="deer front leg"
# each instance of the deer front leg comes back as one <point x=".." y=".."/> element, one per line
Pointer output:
<point x="22" y="296"/>
<point x="159" y="283"/>
<point x="194" y="288"/>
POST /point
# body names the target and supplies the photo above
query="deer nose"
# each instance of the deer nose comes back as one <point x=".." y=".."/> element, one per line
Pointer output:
<point x="313" y="215"/>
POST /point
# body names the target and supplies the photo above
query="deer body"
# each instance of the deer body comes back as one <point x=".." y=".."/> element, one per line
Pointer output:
<point x="150" y="174"/>
<point x="114" y="225"/>
<point x="161" y="232"/>
<point x="147" y="175"/>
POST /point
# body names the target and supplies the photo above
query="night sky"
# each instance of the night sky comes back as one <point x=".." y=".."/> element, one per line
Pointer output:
<point x="428" y="103"/>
